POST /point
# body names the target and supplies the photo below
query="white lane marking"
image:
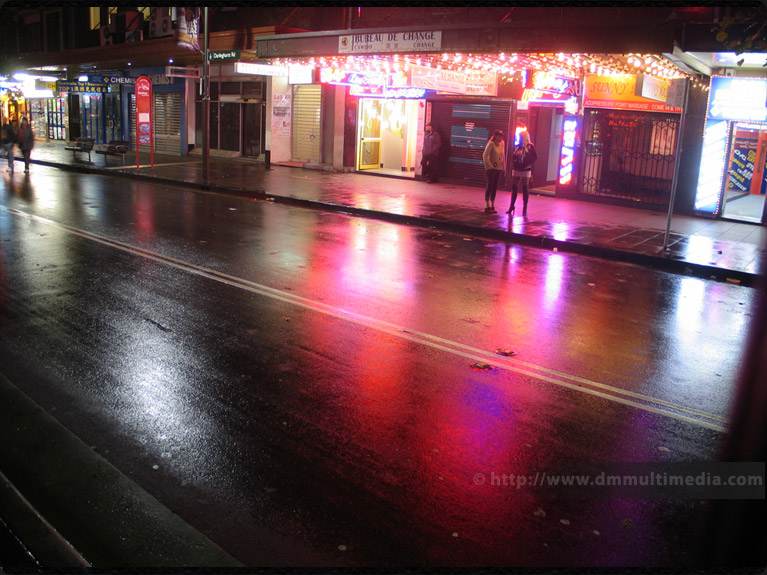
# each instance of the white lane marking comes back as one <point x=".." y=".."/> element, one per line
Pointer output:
<point x="541" y="373"/>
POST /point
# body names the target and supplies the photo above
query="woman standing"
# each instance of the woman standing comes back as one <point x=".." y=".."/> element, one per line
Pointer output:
<point x="521" y="170"/>
<point x="26" y="141"/>
<point x="493" y="158"/>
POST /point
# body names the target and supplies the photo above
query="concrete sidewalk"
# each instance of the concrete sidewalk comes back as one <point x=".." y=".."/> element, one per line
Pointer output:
<point x="718" y="249"/>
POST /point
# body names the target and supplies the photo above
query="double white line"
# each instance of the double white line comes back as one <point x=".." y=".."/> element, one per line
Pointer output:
<point x="572" y="382"/>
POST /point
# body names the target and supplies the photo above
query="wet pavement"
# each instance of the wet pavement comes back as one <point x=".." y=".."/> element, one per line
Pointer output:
<point x="718" y="249"/>
<point x="459" y="423"/>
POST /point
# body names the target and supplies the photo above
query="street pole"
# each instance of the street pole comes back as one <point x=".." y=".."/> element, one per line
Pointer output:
<point x="205" y="103"/>
<point x="676" y="163"/>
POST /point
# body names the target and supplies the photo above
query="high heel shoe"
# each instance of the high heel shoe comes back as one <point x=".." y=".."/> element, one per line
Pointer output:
<point x="510" y="211"/>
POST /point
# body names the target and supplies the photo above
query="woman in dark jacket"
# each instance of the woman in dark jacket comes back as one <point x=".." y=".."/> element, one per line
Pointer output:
<point x="26" y="141"/>
<point x="521" y="170"/>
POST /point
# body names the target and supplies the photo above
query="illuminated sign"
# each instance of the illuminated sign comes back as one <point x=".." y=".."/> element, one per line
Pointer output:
<point x="651" y="88"/>
<point x="477" y="83"/>
<point x="738" y="99"/>
<point x="569" y="128"/>
<point x="351" y="78"/>
<point x="408" y="93"/>
<point x="619" y="93"/>
<point x="300" y="74"/>
<point x="81" y="87"/>
<point x="552" y="84"/>
<point x="259" y="69"/>
<point x="711" y="166"/>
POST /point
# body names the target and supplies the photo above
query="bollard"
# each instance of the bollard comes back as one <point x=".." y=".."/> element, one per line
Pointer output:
<point x="267" y="159"/>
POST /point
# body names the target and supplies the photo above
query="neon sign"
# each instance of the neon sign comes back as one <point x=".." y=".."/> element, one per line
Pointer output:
<point x="351" y="78"/>
<point x="569" y="128"/>
<point x="552" y="84"/>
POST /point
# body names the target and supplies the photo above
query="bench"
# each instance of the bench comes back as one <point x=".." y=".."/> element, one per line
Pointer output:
<point x="82" y="145"/>
<point x="115" y="148"/>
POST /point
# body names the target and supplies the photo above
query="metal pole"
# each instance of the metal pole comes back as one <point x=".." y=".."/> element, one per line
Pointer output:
<point x="205" y="103"/>
<point x="676" y="164"/>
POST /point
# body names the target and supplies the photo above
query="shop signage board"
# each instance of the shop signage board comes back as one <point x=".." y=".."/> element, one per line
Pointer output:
<point x="144" y="116"/>
<point x="376" y="43"/>
<point x="260" y="69"/>
<point x="738" y="99"/>
<point x="651" y="88"/>
<point x="82" y="87"/>
<point x="477" y="84"/>
<point x="619" y="93"/>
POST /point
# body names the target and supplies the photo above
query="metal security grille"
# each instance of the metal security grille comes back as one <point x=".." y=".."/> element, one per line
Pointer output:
<point x="628" y="155"/>
<point x="166" y="124"/>
<point x="465" y="129"/>
<point x="307" y="100"/>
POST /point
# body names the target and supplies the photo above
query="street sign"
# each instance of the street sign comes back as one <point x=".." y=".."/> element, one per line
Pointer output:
<point x="224" y="55"/>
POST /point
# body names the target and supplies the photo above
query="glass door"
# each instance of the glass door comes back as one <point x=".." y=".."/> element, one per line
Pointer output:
<point x="369" y="148"/>
<point x="745" y="185"/>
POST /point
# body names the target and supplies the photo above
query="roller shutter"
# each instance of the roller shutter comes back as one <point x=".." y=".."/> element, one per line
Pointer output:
<point x="466" y="127"/>
<point x="307" y="103"/>
<point x="166" y="123"/>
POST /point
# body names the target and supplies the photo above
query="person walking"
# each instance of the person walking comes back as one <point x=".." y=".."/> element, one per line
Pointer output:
<point x="493" y="158"/>
<point x="26" y="141"/>
<point x="9" y="139"/>
<point x="521" y="171"/>
<point x="432" y="142"/>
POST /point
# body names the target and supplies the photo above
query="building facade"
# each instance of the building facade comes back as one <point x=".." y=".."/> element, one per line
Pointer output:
<point x="615" y="99"/>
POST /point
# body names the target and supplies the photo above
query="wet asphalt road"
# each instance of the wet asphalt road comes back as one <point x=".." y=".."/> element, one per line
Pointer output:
<point x="298" y="385"/>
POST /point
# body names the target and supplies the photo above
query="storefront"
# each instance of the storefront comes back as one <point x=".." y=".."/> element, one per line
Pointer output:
<point x="89" y="108"/>
<point x="547" y="99"/>
<point x="731" y="179"/>
<point x="13" y="104"/>
<point x="237" y="108"/>
<point x="388" y="114"/>
<point x="628" y="141"/>
<point x="168" y="112"/>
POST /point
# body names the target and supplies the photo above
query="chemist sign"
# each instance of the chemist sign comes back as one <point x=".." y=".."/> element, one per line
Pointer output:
<point x="144" y="116"/>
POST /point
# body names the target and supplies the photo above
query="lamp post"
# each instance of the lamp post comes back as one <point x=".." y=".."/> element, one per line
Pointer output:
<point x="675" y="177"/>
<point x="205" y="102"/>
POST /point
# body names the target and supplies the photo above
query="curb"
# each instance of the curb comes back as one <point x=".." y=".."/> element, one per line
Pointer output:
<point x="543" y="242"/>
<point x="84" y="510"/>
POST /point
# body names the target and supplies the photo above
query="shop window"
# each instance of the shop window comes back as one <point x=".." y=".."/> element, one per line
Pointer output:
<point x="230" y="88"/>
<point x="252" y="90"/>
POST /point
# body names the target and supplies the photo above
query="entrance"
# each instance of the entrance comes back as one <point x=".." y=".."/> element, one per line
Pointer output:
<point x="387" y="136"/>
<point x="744" y="192"/>
<point x="252" y="128"/>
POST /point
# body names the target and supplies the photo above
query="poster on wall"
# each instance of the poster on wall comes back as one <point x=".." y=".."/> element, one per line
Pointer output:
<point x="144" y="116"/>
<point x="281" y="114"/>
<point x="742" y="168"/>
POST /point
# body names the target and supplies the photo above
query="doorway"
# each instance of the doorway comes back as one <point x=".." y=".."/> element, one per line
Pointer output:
<point x="746" y="183"/>
<point x="369" y="149"/>
<point x="387" y="136"/>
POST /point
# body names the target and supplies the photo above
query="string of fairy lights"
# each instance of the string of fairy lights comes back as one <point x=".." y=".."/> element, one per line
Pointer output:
<point x="509" y="66"/>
